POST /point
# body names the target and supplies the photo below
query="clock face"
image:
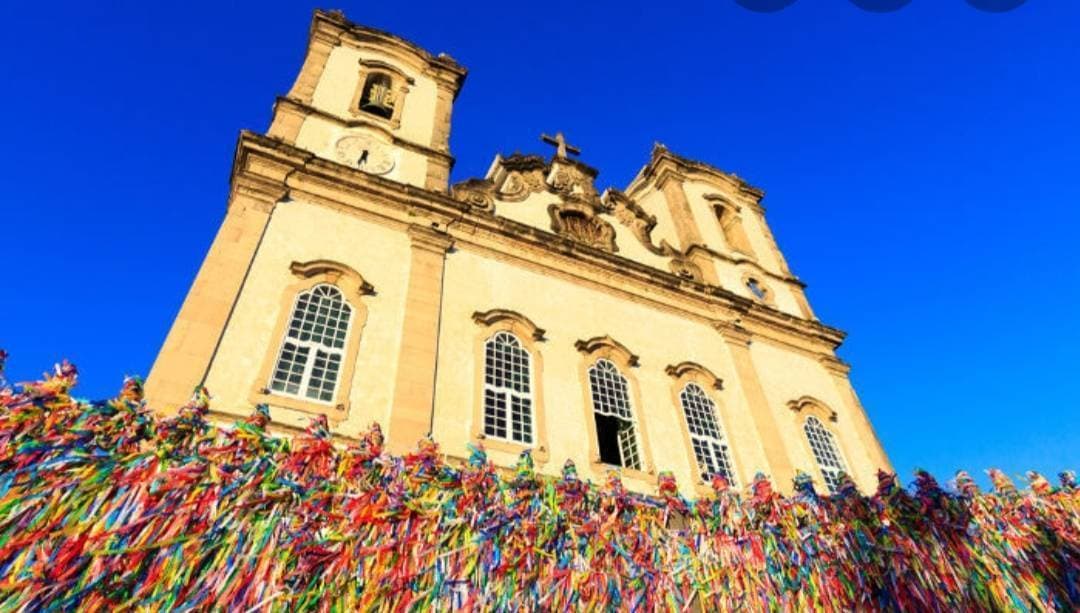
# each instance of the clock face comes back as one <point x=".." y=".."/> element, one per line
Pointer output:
<point x="365" y="153"/>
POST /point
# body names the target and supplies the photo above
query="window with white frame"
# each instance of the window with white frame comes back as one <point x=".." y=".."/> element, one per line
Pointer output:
<point x="615" y="432"/>
<point x="827" y="454"/>
<point x="707" y="438"/>
<point x="313" y="352"/>
<point x="507" y="389"/>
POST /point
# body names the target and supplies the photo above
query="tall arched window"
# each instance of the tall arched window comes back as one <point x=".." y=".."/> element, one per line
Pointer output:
<point x="827" y="454"/>
<point x="312" y="353"/>
<point x="614" y="416"/>
<point x="508" y="405"/>
<point x="377" y="97"/>
<point x="706" y="436"/>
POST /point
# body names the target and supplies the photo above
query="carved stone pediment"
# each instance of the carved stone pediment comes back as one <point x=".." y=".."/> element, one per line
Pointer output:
<point x="579" y="222"/>
<point x="572" y="179"/>
<point x="478" y="193"/>
<point x="518" y="176"/>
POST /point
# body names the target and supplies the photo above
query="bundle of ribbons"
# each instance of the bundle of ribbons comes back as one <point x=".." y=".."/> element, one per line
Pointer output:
<point x="105" y="506"/>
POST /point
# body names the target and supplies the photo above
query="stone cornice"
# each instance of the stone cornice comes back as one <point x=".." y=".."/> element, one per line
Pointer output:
<point x="487" y="318"/>
<point x="747" y="262"/>
<point x="664" y="163"/>
<point x="835" y="365"/>
<point x="682" y="369"/>
<point x="592" y="345"/>
<point x="301" y="173"/>
<point x="733" y="333"/>
<point x="429" y="239"/>
<point x="333" y="24"/>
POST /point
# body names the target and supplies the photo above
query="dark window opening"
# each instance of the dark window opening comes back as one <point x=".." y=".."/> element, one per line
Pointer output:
<point x="378" y="96"/>
<point x="607" y="435"/>
<point x="756" y="289"/>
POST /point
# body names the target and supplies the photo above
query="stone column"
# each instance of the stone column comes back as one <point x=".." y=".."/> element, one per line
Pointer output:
<point x="188" y="349"/>
<point x="768" y="432"/>
<point x="414" y="387"/>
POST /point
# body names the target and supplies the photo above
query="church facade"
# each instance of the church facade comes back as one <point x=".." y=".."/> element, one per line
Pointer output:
<point x="657" y="327"/>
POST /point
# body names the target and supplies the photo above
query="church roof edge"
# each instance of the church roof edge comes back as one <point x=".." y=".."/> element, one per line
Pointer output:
<point x="660" y="153"/>
<point x="441" y="60"/>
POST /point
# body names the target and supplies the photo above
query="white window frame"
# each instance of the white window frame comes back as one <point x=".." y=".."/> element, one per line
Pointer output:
<point x="313" y="347"/>
<point x="508" y="394"/>
<point x="829" y="473"/>
<point x="628" y="439"/>
<point x="707" y="438"/>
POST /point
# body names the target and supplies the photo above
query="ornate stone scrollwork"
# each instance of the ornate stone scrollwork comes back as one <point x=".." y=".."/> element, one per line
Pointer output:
<point x="475" y="192"/>
<point x="520" y="184"/>
<point x="578" y="222"/>
<point x="518" y="176"/>
<point x="631" y="215"/>
<point x="685" y="269"/>
<point x="572" y="179"/>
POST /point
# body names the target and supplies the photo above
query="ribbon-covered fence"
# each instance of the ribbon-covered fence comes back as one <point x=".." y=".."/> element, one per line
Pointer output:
<point x="105" y="506"/>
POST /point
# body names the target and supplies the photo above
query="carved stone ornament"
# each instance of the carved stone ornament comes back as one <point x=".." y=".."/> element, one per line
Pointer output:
<point x="519" y="185"/>
<point x="568" y="179"/>
<point x="476" y="193"/>
<point x="685" y="269"/>
<point x="631" y="215"/>
<point x="579" y="223"/>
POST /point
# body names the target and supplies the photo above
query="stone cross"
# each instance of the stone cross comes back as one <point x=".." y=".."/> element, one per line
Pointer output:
<point x="560" y="145"/>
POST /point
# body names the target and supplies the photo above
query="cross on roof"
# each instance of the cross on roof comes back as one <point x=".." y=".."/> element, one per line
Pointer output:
<point x="560" y="145"/>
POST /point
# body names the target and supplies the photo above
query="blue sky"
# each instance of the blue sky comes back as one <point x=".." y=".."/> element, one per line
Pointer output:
<point x="920" y="168"/>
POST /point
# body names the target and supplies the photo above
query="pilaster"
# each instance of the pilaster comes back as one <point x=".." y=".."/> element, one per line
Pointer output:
<point x="686" y="228"/>
<point x="738" y="341"/>
<point x="839" y="370"/>
<point x="188" y="349"/>
<point x="681" y="215"/>
<point x="414" y="386"/>
<point x="323" y="38"/>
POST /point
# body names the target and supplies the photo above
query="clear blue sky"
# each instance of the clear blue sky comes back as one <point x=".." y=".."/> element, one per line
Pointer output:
<point x="921" y="170"/>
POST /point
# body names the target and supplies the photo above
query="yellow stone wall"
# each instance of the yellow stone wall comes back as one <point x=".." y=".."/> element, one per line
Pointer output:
<point x="301" y="232"/>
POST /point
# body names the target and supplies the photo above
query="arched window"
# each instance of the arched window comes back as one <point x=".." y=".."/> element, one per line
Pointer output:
<point x="827" y="454"/>
<point x="508" y="405"/>
<point x="310" y="362"/>
<point x="710" y="447"/>
<point x="614" y="416"/>
<point x="377" y="96"/>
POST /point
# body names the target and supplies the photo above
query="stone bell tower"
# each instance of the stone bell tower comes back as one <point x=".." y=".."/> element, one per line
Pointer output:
<point x="368" y="115"/>
<point x="371" y="100"/>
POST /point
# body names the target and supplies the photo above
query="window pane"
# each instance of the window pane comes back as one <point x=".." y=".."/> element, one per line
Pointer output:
<point x="710" y="448"/>
<point x="610" y="392"/>
<point x="311" y="357"/>
<point x="614" y="419"/>
<point x="289" y="369"/>
<point x="826" y="453"/>
<point x="628" y="446"/>
<point x="507" y="380"/>
<point x="495" y="413"/>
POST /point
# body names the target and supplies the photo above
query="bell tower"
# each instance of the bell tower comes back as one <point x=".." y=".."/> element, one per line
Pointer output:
<point x="373" y="101"/>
